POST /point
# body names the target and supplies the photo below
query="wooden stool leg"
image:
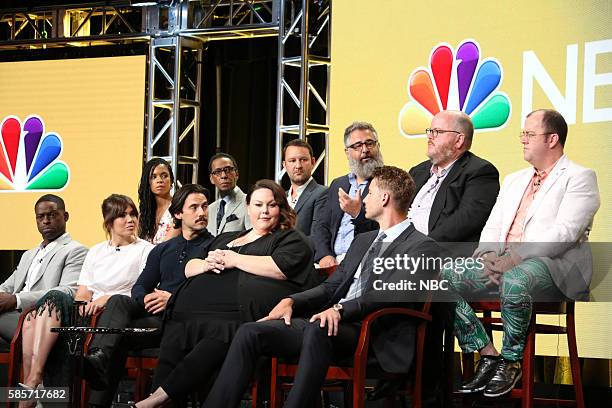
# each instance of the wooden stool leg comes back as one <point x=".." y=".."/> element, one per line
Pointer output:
<point x="528" y="357"/>
<point x="574" y="362"/>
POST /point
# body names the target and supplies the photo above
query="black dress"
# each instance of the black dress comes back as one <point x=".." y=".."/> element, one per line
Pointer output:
<point x="206" y="311"/>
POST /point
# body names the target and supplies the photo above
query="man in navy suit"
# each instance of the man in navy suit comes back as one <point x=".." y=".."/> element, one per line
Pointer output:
<point x="325" y="321"/>
<point x="305" y="196"/>
<point x="344" y="214"/>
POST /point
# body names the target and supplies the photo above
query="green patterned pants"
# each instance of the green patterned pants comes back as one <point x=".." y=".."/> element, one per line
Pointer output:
<point x="518" y="286"/>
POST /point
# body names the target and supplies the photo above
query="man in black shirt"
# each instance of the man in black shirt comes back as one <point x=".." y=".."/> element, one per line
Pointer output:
<point x="162" y="275"/>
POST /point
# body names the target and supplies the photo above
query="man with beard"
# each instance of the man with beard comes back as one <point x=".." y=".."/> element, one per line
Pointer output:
<point x="344" y="214"/>
<point x="456" y="191"/>
<point x="55" y="264"/>
<point x="305" y="196"/>
<point x="163" y="274"/>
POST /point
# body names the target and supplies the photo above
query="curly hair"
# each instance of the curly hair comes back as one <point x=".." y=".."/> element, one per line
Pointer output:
<point x="287" y="217"/>
<point x="146" y="199"/>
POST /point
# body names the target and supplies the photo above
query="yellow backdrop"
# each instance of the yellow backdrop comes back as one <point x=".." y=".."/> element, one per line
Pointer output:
<point x="552" y="53"/>
<point x="96" y="106"/>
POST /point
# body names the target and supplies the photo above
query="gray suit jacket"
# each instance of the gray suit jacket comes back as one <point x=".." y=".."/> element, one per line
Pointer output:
<point x="310" y="206"/>
<point x="60" y="270"/>
<point x="235" y="217"/>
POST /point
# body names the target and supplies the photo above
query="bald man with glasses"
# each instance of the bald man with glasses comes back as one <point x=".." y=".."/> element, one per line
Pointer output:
<point x="456" y="189"/>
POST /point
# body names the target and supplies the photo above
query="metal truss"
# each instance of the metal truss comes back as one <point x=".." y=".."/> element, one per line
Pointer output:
<point x="173" y="113"/>
<point x="177" y="32"/>
<point x="304" y="46"/>
<point x="95" y="24"/>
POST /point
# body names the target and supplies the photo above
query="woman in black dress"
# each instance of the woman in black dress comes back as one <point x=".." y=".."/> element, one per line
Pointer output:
<point x="241" y="279"/>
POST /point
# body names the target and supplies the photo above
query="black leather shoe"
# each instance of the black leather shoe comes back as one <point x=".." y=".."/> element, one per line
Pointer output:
<point x="384" y="389"/>
<point x="506" y="376"/>
<point x="95" y="364"/>
<point x="484" y="372"/>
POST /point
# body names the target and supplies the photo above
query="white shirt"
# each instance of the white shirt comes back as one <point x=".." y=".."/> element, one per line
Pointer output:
<point x="421" y="205"/>
<point x="391" y="234"/>
<point x="300" y="190"/>
<point x="35" y="266"/>
<point x="110" y="270"/>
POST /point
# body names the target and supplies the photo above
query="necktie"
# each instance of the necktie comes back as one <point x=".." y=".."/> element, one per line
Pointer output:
<point x="368" y="263"/>
<point x="220" y="213"/>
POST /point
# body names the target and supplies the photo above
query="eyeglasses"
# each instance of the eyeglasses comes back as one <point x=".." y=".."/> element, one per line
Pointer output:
<point x="530" y="135"/>
<point x="227" y="170"/>
<point x="369" y="144"/>
<point x="435" y="132"/>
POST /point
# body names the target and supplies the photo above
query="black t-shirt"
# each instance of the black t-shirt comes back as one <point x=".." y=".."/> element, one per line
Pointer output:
<point x="253" y="296"/>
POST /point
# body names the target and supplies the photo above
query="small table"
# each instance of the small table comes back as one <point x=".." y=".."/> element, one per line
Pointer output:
<point x="76" y="335"/>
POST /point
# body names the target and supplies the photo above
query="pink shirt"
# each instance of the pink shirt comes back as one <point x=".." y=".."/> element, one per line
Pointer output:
<point x="515" y="233"/>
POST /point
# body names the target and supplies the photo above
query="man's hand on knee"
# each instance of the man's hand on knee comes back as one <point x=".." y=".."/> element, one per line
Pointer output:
<point x="330" y="318"/>
<point x="283" y="310"/>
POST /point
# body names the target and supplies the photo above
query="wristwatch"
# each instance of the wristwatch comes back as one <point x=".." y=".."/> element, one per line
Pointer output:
<point x="338" y="308"/>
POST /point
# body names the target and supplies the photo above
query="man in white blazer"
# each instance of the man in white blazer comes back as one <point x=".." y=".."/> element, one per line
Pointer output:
<point x="533" y="247"/>
<point x="54" y="264"/>
<point x="228" y="213"/>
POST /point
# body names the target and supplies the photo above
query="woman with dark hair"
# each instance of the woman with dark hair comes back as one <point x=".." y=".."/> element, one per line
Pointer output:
<point x="240" y="280"/>
<point x="110" y="268"/>
<point x="154" y="199"/>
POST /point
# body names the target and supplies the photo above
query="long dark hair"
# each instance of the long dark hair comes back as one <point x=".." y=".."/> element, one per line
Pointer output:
<point x="287" y="217"/>
<point x="146" y="199"/>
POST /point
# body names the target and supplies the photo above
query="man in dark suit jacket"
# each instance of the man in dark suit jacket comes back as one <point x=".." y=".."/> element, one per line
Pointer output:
<point x="456" y="189"/>
<point x="343" y="216"/>
<point x="305" y="196"/>
<point x="339" y="304"/>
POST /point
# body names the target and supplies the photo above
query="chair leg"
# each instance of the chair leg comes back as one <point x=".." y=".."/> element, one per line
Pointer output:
<point x="254" y="394"/>
<point x="574" y="362"/>
<point x="528" y="357"/>
<point x="275" y="397"/>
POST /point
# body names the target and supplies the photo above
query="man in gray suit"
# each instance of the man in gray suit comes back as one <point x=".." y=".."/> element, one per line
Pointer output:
<point x="305" y="196"/>
<point x="54" y="264"/>
<point x="228" y="213"/>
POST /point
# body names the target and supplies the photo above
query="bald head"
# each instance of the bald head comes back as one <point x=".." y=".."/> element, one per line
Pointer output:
<point x="461" y="123"/>
<point x="450" y="137"/>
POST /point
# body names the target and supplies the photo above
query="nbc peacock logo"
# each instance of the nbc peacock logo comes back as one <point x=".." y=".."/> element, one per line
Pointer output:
<point x="455" y="80"/>
<point x="29" y="157"/>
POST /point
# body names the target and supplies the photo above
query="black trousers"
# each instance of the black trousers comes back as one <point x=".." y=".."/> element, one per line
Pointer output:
<point x="309" y="341"/>
<point x="120" y="312"/>
<point x="180" y="371"/>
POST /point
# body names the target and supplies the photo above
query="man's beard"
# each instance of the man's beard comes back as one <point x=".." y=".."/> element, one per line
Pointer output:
<point x="365" y="170"/>
<point x="445" y="155"/>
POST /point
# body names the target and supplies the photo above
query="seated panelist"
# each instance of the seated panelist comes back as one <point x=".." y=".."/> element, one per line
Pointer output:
<point x="110" y="267"/>
<point x="242" y="277"/>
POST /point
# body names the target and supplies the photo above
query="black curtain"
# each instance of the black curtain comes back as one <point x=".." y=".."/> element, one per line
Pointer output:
<point x="248" y="107"/>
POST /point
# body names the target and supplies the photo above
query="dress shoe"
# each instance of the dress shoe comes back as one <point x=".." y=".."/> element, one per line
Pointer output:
<point x="484" y="372"/>
<point x="95" y="363"/>
<point x="383" y="389"/>
<point x="506" y="376"/>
